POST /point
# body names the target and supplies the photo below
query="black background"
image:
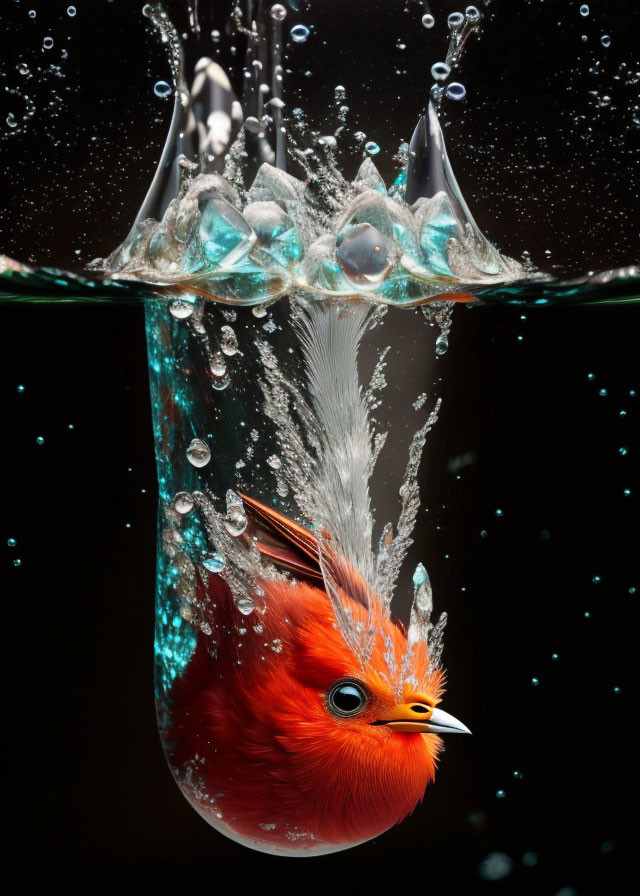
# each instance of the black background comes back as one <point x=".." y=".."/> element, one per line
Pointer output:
<point x="86" y="786"/>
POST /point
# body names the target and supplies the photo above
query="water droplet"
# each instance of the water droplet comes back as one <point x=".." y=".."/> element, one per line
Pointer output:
<point x="363" y="253"/>
<point x="183" y="502"/>
<point x="236" y="521"/>
<point x="440" y="71"/>
<point x="455" y="20"/>
<point x="11" y="542"/>
<point x="181" y="309"/>
<point x="278" y="12"/>
<point x="518" y="775"/>
<point x="420" y="576"/>
<point x="245" y="605"/>
<point x="147" y="10"/>
<point x="603" y="393"/>
<point x="535" y="682"/>
<point x="626" y="492"/>
<point x="21" y="388"/>
<point x="596" y="580"/>
<point x="162" y="89"/>
<point x="253" y="125"/>
<point x="530" y="859"/>
<point x="554" y="656"/>
<point x="299" y="33"/>
<point x="71" y="11"/>
<point x="499" y="511"/>
<point x="39" y="440"/>
<point x="228" y="341"/>
<point x="198" y="453"/>
<point x="23" y="68"/>
<point x="501" y="794"/>
<point x="428" y="21"/>
<point x="276" y="645"/>
<point x="266" y="827"/>
<point x="496" y="865"/>
<point x="591" y="376"/>
<point x="218" y="365"/>
<point x="47" y="43"/>
<point x="617" y="690"/>
<point x="442" y="344"/>
<point x="455" y="91"/>
<point x="584" y="10"/>
<point x="17" y="562"/>
<point x="605" y="40"/>
<point x="214" y="562"/>
<point x="11" y="120"/>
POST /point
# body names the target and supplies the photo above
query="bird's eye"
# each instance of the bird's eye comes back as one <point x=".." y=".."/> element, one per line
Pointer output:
<point x="346" y="699"/>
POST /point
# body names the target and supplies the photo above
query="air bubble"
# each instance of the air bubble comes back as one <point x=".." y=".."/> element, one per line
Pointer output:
<point x="245" y="605"/>
<point x="428" y="21"/>
<point x="605" y="40"/>
<point x="455" y="91"/>
<point x="183" y="502"/>
<point x="218" y="365"/>
<point x="278" y="12"/>
<point x="180" y="309"/>
<point x="214" y="562"/>
<point x="198" y="453"/>
<point x="584" y="10"/>
<point x="71" y="11"/>
<point x="236" y="521"/>
<point x="11" y="120"/>
<point x="47" y="43"/>
<point x="372" y="148"/>
<point x="455" y="21"/>
<point x="162" y="89"/>
<point x="473" y="14"/>
<point x="299" y="33"/>
<point x="228" y="341"/>
<point x="440" y="71"/>
<point x="442" y="344"/>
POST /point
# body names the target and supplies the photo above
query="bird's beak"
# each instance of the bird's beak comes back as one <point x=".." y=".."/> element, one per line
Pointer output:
<point x="421" y="718"/>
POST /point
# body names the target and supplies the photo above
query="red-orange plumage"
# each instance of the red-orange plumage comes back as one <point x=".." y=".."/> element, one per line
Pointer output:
<point x="250" y="719"/>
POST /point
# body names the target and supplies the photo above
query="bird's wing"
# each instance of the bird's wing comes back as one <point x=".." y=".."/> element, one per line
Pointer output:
<point x="290" y="546"/>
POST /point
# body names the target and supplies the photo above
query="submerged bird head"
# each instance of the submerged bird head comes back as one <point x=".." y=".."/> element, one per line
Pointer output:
<point x="307" y="747"/>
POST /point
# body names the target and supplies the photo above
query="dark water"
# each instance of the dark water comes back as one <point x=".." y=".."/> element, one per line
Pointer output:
<point x="532" y="549"/>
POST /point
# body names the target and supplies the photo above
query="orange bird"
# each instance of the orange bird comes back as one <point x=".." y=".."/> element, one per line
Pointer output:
<point x="280" y="735"/>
